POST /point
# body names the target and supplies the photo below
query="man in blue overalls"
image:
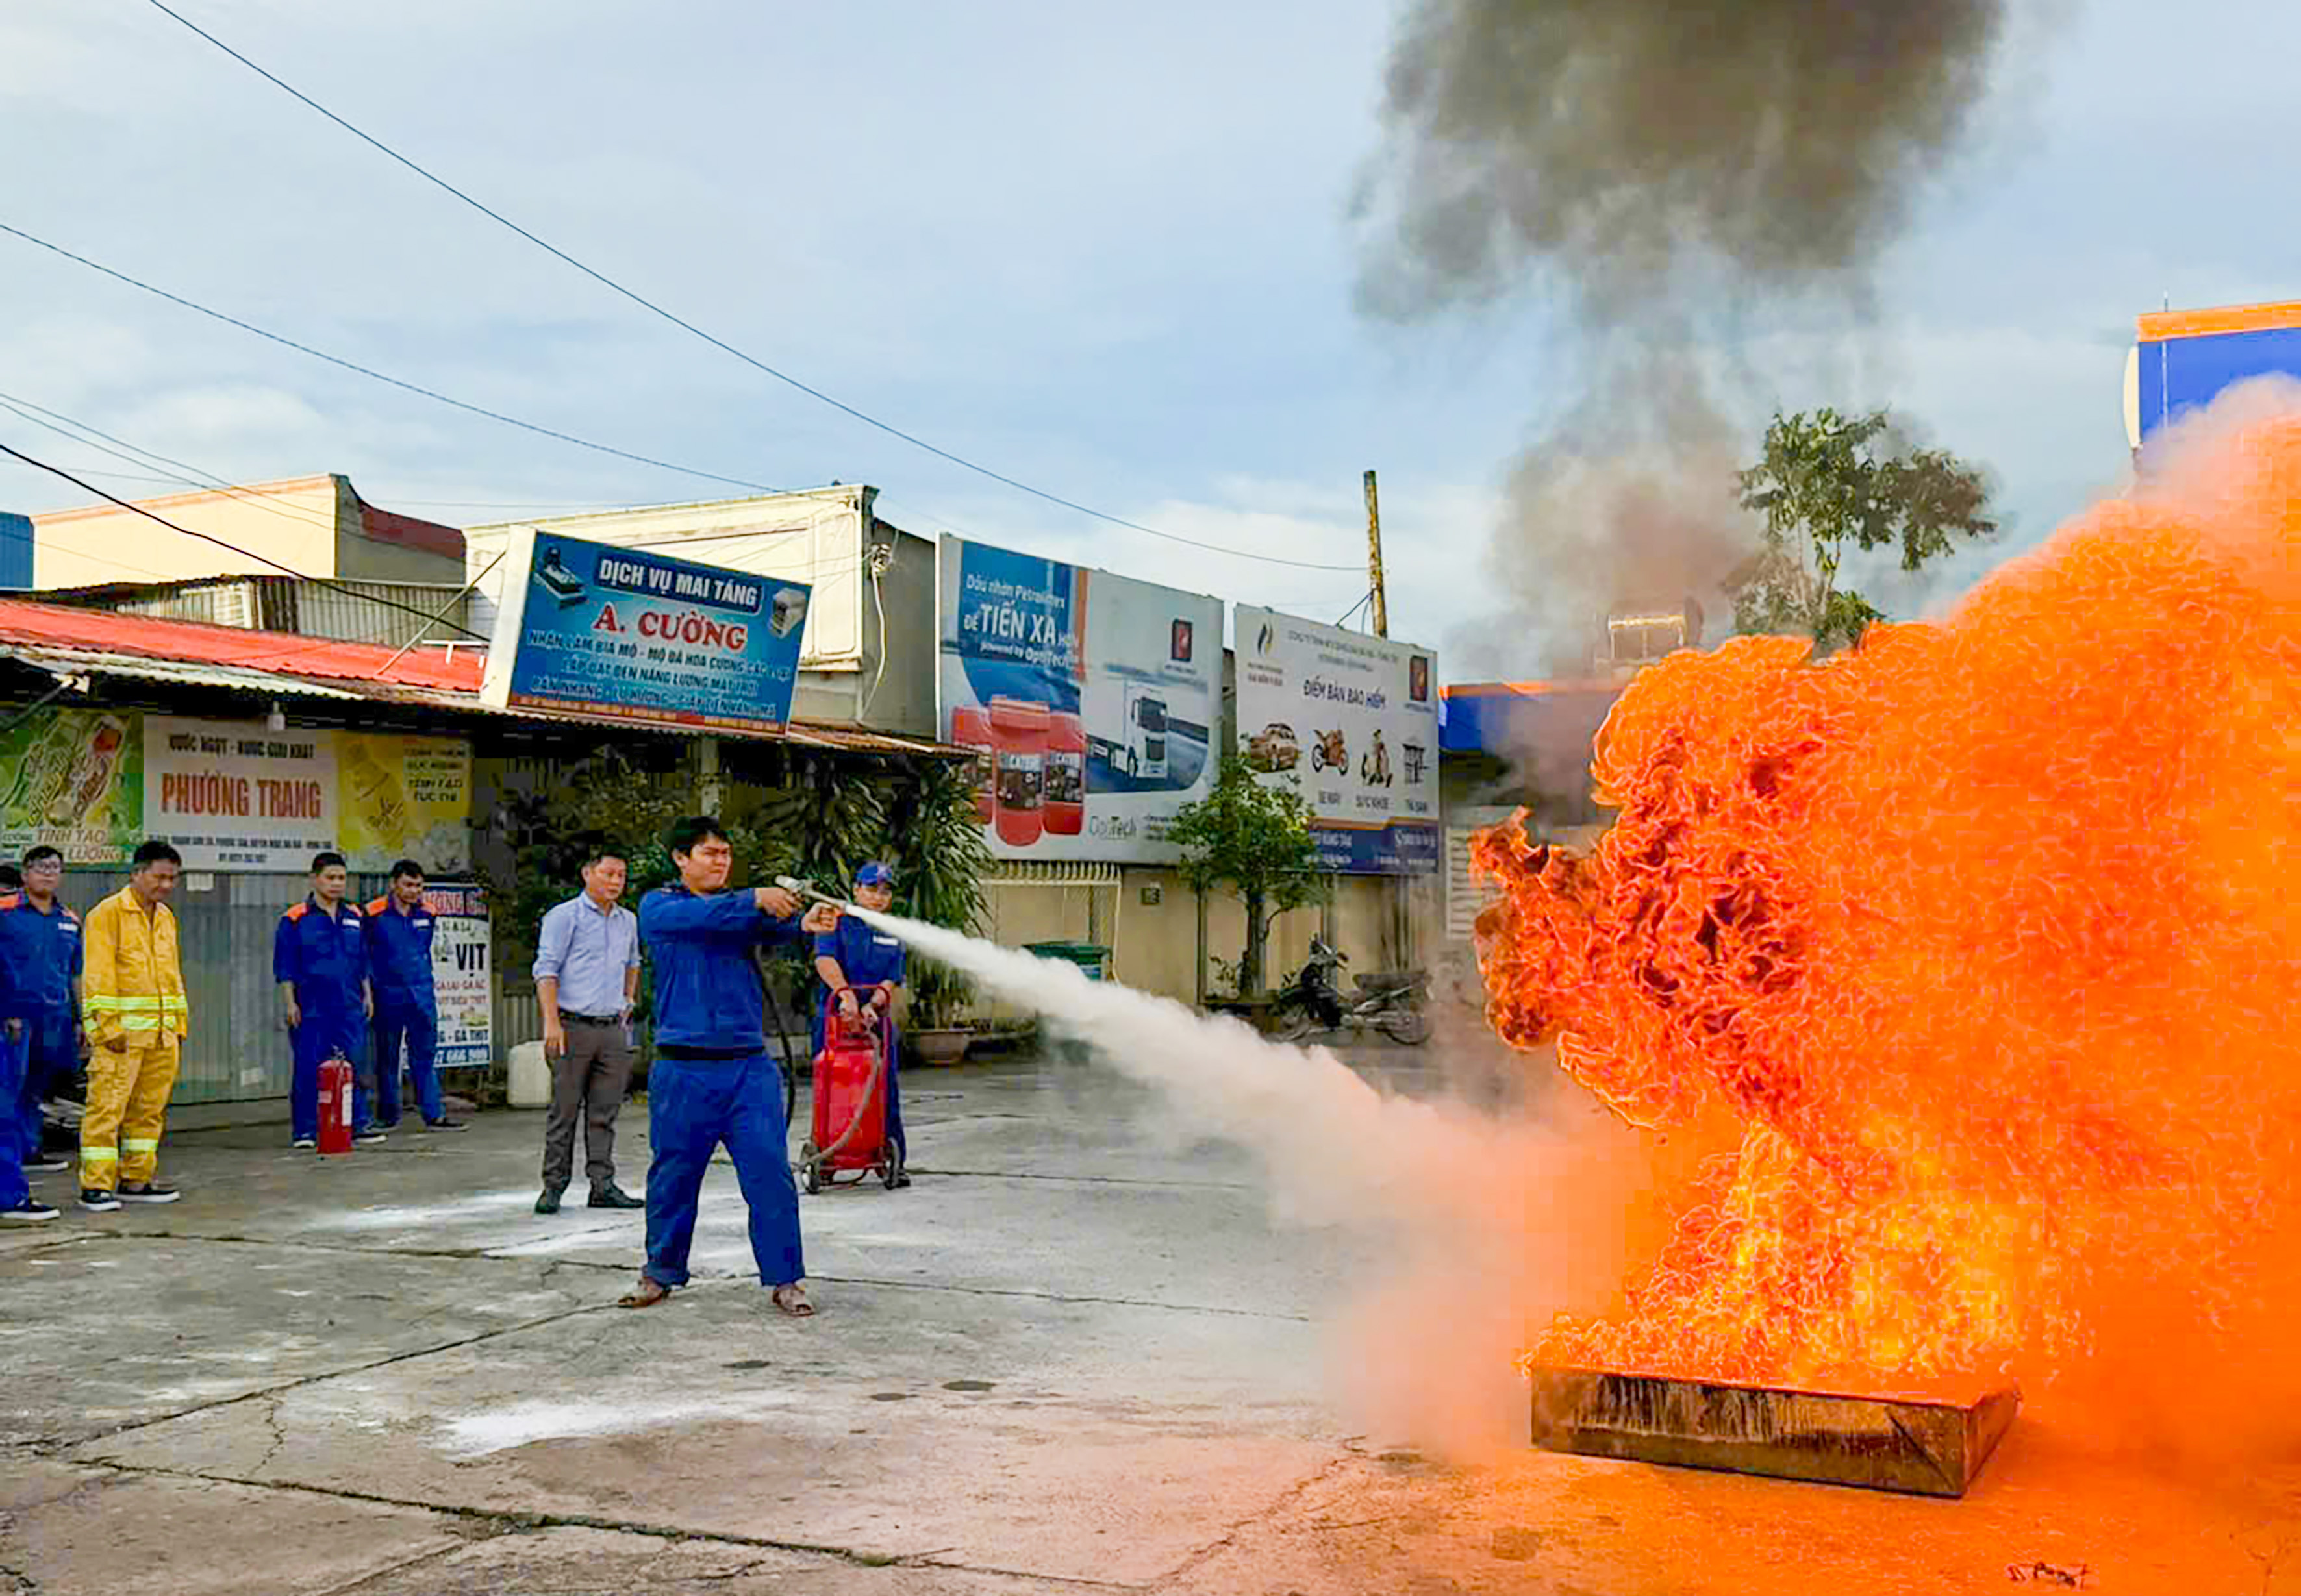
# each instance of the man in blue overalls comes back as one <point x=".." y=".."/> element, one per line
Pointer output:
<point x="40" y="943"/>
<point x="319" y="958"/>
<point x="863" y="968"/>
<point x="406" y="1010"/>
<point x="711" y="1081"/>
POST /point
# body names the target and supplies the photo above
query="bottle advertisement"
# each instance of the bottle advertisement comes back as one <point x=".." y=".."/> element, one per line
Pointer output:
<point x="73" y="780"/>
<point x="1353" y="720"/>
<point x="1088" y="699"/>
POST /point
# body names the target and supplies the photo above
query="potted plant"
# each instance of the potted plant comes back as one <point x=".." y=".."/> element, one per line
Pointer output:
<point x="940" y="858"/>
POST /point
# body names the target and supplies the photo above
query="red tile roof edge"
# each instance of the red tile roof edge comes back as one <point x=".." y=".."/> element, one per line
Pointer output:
<point x="56" y="626"/>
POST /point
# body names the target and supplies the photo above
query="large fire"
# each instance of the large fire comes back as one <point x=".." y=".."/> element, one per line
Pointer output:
<point x="1976" y="949"/>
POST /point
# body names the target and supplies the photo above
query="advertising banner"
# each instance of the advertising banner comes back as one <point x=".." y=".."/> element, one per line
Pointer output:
<point x="1355" y="720"/>
<point x="459" y="974"/>
<point x="232" y="796"/>
<point x="1091" y="701"/>
<point x="73" y="780"/>
<point x="637" y="636"/>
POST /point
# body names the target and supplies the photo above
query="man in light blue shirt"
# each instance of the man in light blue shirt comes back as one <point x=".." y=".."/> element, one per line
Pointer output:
<point x="587" y="977"/>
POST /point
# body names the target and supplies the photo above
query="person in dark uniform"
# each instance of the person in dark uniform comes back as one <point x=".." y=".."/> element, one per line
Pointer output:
<point x="319" y="958"/>
<point x="400" y="932"/>
<point x="713" y="1083"/>
<point x="863" y="968"/>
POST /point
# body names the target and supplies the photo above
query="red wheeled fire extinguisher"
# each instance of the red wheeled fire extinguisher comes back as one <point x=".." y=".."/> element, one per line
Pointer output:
<point x="336" y="1105"/>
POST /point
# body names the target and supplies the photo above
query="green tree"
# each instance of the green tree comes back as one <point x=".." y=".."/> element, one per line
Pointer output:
<point x="1829" y="485"/>
<point x="1253" y="837"/>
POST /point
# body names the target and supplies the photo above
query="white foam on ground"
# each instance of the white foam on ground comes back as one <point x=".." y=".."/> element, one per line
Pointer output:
<point x="522" y="1424"/>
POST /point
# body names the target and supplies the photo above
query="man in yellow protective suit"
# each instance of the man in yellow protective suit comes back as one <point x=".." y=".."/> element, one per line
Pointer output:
<point x="136" y="1019"/>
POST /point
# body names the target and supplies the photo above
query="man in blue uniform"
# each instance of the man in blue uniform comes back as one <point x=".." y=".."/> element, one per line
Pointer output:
<point x="406" y="1010"/>
<point x="862" y="968"/>
<point x="319" y="958"/>
<point x="711" y="1081"/>
<point x="39" y="956"/>
<point x="40" y="944"/>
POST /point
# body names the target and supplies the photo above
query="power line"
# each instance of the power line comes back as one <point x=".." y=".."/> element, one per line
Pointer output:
<point x="134" y="456"/>
<point x="636" y="298"/>
<point x="324" y="581"/>
<point x="348" y="365"/>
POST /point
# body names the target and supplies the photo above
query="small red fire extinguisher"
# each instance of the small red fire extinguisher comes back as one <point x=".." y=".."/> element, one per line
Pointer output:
<point x="336" y="1105"/>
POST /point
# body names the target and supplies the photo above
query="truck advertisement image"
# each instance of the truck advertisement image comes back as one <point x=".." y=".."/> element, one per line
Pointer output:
<point x="1088" y="698"/>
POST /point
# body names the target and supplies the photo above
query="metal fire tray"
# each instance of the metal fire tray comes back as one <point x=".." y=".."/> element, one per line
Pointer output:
<point x="1930" y="1446"/>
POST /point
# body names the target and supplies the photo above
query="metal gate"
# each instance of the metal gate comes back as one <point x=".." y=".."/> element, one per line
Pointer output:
<point x="237" y="1051"/>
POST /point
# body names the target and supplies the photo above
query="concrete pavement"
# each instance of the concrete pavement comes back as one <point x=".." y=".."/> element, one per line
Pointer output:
<point x="1074" y="1354"/>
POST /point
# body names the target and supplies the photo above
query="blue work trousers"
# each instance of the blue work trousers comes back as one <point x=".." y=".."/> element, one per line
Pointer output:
<point x="13" y="1187"/>
<point x="419" y="1029"/>
<point x="693" y="1107"/>
<point x="48" y="1059"/>
<point x="325" y="1033"/>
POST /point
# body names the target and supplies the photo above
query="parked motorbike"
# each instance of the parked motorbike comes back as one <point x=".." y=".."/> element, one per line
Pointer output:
<point x="1313" y="1001"/>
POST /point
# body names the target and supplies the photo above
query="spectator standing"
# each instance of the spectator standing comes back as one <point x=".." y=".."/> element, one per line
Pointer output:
<point x="319" y="958"/>
<point x="400" y="929"/>
<point x="136" y="1019"/>
<point x="17" y="1203"/>
<point x="713" y="1083"/>
<point x="40" y="964"/>
<point x="861" y="967"/>
<point x="586" y="980"/>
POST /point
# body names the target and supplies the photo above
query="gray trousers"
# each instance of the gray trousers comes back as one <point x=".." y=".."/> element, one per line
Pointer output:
<point x="587" y="1083"/>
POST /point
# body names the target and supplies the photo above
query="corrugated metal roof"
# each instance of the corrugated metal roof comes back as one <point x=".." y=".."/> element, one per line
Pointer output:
<point x="68" y="642"/>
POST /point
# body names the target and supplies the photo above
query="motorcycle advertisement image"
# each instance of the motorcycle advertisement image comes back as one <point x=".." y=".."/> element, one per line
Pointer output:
<point x="1088" y="700"/>
<point x="1353" y="720"/>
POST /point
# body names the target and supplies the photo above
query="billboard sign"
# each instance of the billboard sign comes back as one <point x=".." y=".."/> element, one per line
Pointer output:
<point x="234" y="796"/>
<point x="459" y="974"/>
<point x="1091" y="701"/>
<point x="74" y="781"/>
<point x="1353" y="720"/>
<point x="637" y="636"/>
<point x="231" y="795"/>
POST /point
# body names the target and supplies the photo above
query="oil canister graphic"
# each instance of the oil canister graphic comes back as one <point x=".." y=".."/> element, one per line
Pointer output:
<point x="787" y="611"/>
<point x="554" y="578"/>
<point x="1144" y="739"/>
<point x="67" y="772"/>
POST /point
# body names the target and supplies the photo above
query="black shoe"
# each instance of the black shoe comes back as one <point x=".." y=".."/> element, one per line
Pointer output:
<point x="308" y="1144"/>
<point x="30" y="1211"/>
<point x="46" y="1163"/>
<point x="368" y="1137"/>
<point x="98" y="1202"/>
<point x="147" y="1191"/>
<point x="443" y="1124"/>
<point x="549" y="1203"/>
<point x="612" y="1196"/>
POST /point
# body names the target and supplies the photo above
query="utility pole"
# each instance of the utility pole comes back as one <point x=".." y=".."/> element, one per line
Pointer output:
<point x="1381" y="608"/>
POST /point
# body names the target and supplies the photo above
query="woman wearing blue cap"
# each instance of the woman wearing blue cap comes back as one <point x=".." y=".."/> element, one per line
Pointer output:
<point x="863" y="967"/>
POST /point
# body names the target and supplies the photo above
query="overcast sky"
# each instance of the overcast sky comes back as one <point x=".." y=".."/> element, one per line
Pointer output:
<point x="1107" y="250"/>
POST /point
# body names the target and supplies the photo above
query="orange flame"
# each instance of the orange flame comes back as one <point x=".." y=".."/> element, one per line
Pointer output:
<point x="1983" y="939"/>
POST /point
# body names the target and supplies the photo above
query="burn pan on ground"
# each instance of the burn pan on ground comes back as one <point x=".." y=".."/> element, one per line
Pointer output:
<point x="1925" y="1445"/>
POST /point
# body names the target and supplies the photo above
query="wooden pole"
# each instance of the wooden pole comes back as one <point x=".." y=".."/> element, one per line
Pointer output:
<point x="1381" y="608"/>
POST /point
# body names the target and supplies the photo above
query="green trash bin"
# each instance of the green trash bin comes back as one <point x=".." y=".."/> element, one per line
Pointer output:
<point x="1090" y="957"/>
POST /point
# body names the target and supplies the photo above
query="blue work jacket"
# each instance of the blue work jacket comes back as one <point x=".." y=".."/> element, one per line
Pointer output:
<point x="706" y="990"/>
<point x="325" y="956"/>
<point x="399" y="955"/>
<point x="40" y="957"/>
